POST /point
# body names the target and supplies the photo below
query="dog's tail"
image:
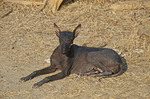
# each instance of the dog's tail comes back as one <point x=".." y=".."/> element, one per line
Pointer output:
<point x="120" y="71"/>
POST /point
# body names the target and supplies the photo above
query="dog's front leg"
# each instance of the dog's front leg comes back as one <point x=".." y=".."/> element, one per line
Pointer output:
<point x="58" y="76"/>
<point x="51" y="78"/>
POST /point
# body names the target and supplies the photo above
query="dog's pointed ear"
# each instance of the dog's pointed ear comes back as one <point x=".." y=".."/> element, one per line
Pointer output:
<point x="57" y="30"/>
<point x="77" y="30"/>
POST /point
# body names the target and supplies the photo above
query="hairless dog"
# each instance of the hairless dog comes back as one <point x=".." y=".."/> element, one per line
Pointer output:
<point x="82" y="60"/>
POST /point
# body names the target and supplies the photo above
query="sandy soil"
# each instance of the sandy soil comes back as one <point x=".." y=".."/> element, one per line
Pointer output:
<point x="27" y="40"/>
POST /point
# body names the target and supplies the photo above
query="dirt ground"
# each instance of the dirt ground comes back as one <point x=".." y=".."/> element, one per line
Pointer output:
<point x="27" y="40"/>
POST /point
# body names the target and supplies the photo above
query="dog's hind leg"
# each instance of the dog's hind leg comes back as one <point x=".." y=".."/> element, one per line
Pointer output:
<point x="105" y="71"/>
<point x="94" y="61"/>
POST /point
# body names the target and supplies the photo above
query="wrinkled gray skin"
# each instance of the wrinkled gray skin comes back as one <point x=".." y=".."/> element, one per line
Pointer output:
<point x="71" y="58"/>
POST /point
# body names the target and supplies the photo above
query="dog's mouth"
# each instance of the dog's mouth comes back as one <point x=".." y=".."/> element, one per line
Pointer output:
<point x="65" y="49"/>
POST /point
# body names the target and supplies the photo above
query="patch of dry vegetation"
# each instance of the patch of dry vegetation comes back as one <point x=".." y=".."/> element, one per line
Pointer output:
<point x="27" y="38"/>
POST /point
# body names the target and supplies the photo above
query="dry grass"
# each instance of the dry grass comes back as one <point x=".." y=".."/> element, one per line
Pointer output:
<point x="27" y="38"/>
<point x="53" y="5"/>
<point x="130" y="5"/>
<point x="24" y="2"/>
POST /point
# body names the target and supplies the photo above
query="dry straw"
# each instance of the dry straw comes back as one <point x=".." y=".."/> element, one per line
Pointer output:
<point x="53" y="5"/>
<point x="130" y="5"/>
<point x="24" y="2"/>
